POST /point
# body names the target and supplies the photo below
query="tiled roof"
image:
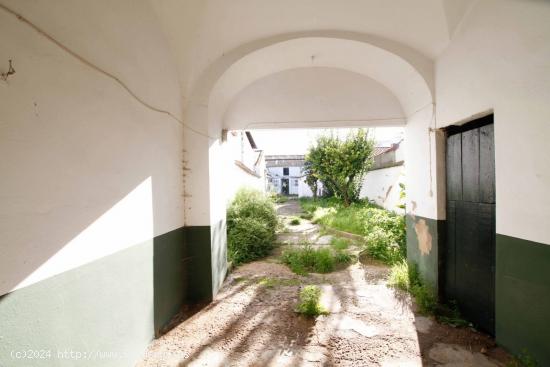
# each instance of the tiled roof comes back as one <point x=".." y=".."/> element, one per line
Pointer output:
<point x="284" y="160"/>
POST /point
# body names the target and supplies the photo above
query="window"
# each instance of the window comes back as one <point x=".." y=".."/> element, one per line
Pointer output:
<point x="295" y="182"/>
<point x="285" y="171"/>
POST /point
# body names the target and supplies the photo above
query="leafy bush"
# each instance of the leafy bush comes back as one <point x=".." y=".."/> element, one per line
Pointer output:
<point x="341" y="164"/>
<point x="306" y="259"/>
<point x="251" y="224"/>
<point x="307" y="216"/>
<point x="309" y="301"/>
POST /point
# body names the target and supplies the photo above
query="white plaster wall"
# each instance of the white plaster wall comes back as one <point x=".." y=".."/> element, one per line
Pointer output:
<point x="237" y="148"/>
<point x="382" y="187"/>
<point x="87" y="170"/>
<point x="499" y="59"/>
<point x="421" y="169"/>
<point x="314" y="97"/>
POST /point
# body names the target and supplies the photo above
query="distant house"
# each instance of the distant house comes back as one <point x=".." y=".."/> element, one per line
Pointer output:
<point x="284" y="173"/>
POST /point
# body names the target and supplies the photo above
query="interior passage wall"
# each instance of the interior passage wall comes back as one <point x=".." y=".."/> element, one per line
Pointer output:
<point x="499" y="60"/>
<point x="91" y="210"/>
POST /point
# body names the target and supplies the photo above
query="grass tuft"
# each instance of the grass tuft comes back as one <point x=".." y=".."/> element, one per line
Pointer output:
<point x="309" y="299"/>
<point x="294" y="221"/>
<point x="304" y="259"/>
<point x="339" y="243"/>
<point x="278" y="282"/>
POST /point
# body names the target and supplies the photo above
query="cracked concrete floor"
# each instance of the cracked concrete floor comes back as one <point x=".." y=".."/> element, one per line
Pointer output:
<point x="252" y="322"/>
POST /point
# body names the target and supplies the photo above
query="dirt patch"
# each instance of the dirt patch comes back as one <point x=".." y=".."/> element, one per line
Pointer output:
<point x="252" y="322"/>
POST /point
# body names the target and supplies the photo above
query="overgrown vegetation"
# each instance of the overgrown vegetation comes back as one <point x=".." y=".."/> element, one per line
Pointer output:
<point x="406" y="277"/>
<point x="251" y="224"/>
<point x="340" y="164"/>
<point x="304" y="259"/>
<point x="309" y="304"/>
<point x="384" y="231"/>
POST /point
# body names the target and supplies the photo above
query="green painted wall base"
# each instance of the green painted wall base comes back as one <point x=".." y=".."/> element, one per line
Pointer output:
<point x="107" y="311"/>
<point x="425" y="238"/>
<point x="523" y="297"/>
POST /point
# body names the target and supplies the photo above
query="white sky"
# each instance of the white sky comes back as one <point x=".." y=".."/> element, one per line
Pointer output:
<point x="297" y="141"/>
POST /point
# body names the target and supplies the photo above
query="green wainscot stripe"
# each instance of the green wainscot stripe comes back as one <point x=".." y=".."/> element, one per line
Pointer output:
<point x="425" y="239"/>
<point x="106" y="312"/>
<point x="99" y="314"/>
<point x="523" y="297"/>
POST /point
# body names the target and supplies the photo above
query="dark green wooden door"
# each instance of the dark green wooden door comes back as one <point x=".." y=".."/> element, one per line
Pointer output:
<point x="469" y="257"/>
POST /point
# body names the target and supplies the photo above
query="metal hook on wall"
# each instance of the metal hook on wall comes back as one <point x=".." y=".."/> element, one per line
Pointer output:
<point x="11" y="71"/>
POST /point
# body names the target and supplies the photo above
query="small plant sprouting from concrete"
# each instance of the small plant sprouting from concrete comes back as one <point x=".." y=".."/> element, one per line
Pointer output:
<point x="406" y="277"/>
<point x="309" y="301"/>
<point x="294" y="221"/>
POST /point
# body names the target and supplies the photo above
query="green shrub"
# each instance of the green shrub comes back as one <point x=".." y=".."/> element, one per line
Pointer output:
<point x="251" y="224"/>
<point x="294" y="221"/>
<point x="309" y="301"/>
<point x="307" y="216"/>
<point x="305" y="258"/>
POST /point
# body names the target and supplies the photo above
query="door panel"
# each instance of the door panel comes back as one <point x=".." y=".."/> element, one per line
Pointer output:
<point x="469" y="256"/>
<point x="486" y="164"/>
<point x="470" y="165"/>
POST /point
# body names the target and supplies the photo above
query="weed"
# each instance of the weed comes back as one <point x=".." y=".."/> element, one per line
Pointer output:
<point x="405" y="276"/>
<point x="309" y="301"/>
<point x="278" y="282"/>
<point x="339" y="243"/>
<point x="294" y="221"/>
<point x="450" y="315"/>
<point x="523" y="359"/>
<point x="342" y="257"/>
<point x="306" y="259"/>
<point x="400" y="276"/>
<point x="425" y="299"/>
<point x="306" y="216"/>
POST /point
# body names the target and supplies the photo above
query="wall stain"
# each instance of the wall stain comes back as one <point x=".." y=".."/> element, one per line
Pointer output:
<point x="424" y="237"/>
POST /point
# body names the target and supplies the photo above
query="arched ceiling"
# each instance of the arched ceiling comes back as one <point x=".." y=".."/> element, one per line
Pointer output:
<point x="202" y="31"/>
<point x="314" y="96"/>
<point x="385" y="67"/>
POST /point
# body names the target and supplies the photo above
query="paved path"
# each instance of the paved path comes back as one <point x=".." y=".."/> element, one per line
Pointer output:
<point x="252" y="322"/>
